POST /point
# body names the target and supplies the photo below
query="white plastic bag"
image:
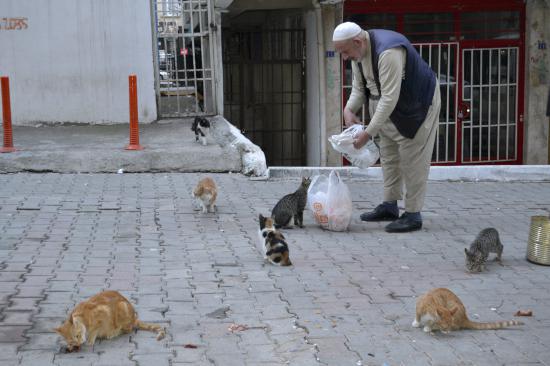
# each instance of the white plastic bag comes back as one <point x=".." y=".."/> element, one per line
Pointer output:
<point x="363" y="157"/>
<point x="330" y="201"/>
<point x="317" y="199"/>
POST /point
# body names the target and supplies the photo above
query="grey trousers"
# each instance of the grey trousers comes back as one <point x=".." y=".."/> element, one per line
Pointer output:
<point x="406" y="162"/>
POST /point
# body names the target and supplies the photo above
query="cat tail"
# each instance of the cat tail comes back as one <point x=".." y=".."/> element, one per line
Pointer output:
<point x="152" y="328"/>
<point x="494" y="325"/>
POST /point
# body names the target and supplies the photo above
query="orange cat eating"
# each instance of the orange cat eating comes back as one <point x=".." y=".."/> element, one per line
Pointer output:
<point x="105" y="315"/>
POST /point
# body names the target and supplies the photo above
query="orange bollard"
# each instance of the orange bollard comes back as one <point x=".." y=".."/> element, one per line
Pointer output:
<point x="6" y="116"/>
<point x="134" y="126"/>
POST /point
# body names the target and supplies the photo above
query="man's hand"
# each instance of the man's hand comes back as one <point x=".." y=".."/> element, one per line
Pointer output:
<point x="350" y="118"/>
<point x="361" y="139"/>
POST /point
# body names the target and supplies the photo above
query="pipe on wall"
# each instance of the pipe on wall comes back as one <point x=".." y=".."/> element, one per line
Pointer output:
<point x="322" y="82"/>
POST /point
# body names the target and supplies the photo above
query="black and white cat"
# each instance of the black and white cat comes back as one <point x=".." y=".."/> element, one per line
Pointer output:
<point x="201" y="127"/>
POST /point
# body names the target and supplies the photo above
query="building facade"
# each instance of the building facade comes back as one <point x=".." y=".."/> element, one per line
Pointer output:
<point x="270" y="68"/>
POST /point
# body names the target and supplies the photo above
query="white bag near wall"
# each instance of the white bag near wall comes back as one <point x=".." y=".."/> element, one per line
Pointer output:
<point x="361" y="158"/>
<point x="330" y="201"/>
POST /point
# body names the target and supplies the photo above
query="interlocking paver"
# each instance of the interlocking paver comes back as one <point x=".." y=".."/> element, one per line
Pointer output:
<point x="349" y="299"/>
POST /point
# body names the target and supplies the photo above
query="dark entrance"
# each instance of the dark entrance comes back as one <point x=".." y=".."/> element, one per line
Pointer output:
<point x="264" y="90"/>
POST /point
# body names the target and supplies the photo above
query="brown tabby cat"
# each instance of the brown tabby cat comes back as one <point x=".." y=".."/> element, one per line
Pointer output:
<point x="205" y="193"/>
<point x="272" y="243"/>
<point x="441" y="309"/>
<point x="292" y="206"/>
<point x="105" y="315"/>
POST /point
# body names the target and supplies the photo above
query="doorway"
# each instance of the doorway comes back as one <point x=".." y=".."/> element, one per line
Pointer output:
<point x="476" y="50"/>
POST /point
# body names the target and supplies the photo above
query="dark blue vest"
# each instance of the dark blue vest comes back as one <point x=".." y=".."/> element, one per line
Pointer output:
<point x="417" y="88"/>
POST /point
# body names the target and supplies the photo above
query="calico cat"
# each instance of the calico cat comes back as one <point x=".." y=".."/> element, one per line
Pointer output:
<point x="487" y="241"/>
<point x="292" y="205"/>
<point x="105" y="315"/>
<point x="441" y="309"/>
<point x="272" y="243"/>
<point x="201" y="127"/>
<point x="205" y="194"/>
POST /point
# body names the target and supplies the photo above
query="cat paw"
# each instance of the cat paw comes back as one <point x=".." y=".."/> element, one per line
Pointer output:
<point x="427" y="329"/>
<point x="415" y="324"/>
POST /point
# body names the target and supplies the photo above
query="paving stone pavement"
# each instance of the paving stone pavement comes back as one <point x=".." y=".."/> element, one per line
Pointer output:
<point x="349" y="299"/>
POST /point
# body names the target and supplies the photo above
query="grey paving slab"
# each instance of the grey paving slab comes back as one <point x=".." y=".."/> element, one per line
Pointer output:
<point x="349" y="299"/>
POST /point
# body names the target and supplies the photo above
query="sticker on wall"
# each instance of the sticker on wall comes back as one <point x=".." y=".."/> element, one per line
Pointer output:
<point x="17" y="23"/>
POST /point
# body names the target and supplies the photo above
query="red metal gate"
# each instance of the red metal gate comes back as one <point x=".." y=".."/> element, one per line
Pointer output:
<point x="476" y="49"/>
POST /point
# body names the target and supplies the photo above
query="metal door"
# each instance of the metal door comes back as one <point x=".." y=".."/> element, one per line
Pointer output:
<point x="184" y="51"/>
<point x="443" y="59"/>
<point x="488" y="111"/>
<point x="264" y="90"/>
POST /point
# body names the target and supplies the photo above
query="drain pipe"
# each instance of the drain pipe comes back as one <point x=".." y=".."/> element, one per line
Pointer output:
<point x="322" y="82"/>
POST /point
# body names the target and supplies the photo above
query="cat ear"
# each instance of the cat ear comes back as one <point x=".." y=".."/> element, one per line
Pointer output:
<point x="466" y="251"/>
<point x="453" y="310"/>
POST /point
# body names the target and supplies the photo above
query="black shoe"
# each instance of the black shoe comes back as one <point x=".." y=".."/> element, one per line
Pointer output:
<point x="380" y="213"/>
<point x="404" y="224"/>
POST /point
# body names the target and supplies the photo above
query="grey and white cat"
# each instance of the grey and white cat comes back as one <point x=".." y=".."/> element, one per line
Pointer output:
<point x="292" y="206"/>
<point x="487" y="241"/>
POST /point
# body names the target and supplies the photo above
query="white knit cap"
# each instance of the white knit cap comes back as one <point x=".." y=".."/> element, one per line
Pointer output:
<point x="346" y="31"/>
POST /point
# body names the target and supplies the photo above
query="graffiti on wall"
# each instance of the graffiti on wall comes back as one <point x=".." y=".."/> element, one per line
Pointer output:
<point x="538" y="55"/>
<point x="539" y="65"/>
<point x="17" y="23"/>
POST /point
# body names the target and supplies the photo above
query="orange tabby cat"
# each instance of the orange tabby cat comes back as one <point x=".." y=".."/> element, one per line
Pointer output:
<point x="205" y="193"/>
<point x="105" y="315"/>
<point x="441" y="309"/>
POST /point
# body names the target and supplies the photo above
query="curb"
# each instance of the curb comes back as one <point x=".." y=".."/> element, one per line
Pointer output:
<point x="478" y="173"/>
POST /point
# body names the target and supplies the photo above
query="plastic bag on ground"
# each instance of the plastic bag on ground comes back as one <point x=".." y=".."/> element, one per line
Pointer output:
<point x="330" y="201"/>
<point x="317" y="199"/>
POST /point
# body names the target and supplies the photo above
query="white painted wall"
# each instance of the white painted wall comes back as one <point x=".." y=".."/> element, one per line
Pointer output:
<point x="71" y="63"/>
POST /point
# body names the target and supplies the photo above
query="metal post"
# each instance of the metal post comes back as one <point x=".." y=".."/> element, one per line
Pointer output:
<point x="134" y="126"/>
<point x="6" y="116"/>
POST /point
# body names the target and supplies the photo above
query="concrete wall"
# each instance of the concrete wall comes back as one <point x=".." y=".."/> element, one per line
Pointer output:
<point x="537" y="81"/>
<point x="332" y="16"/>
<point x="71" y="61"/>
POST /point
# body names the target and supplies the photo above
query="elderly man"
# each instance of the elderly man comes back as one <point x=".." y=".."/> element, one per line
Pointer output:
<point x="404" y="104"/>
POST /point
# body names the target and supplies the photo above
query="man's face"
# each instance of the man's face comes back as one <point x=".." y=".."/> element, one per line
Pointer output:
<point x="350" y="49"/>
